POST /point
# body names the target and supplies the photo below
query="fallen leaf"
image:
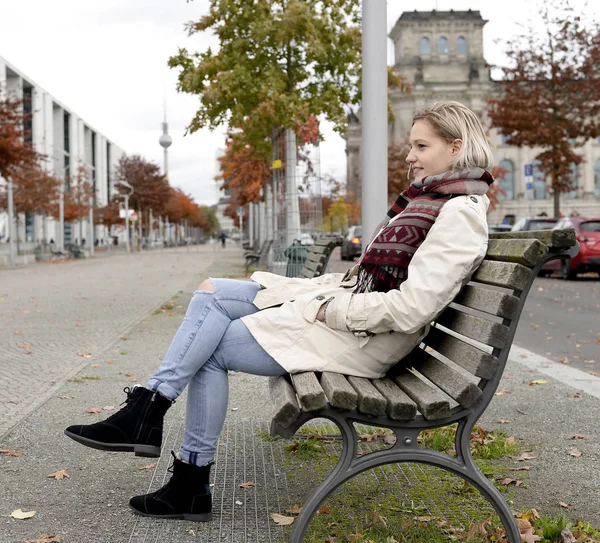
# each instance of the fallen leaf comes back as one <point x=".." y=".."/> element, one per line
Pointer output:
<point x="508" y="481"/>
<point x="577" y="436"/>
<point x="355" y="537"/>
<point x="549" y="338"/>
<point x="538" y="382"/>
<point x="66" y="397"/>
<point x="95" y="365"/>
<point x="520" y="468"/>
<point x="565" y="505"/>
<point x="94" y="410"/>
<point x="370" y="437"/>
<point x="249" y="484"/>
<point x="22" y="515"/>
<point x="575" y="452"/>
<point x="592" y="372"/>
<point x="295" y="510"/>
<point x="46" y="539"/>
<point x="26" y="346"/>
<point x="564" y="360"/>
<point x="523" y="457"/>
<point x="589" y="361"/>
<point x="84" y="355"/>
<point x="10" y="452"/>
<point x="129" y="374"/>
<point x="109" y="361"/>
<point x="323" y="511"/>
<point x="503" y="421"/>
<point x="148" y="466"/>
<point x="523" y="355"/>
<point x="281" y="520"/>
<point x="60" y="475"/>
<point x="574" y="395"/>
<point x="108" y="408"/>
<point x="502" y="392"/>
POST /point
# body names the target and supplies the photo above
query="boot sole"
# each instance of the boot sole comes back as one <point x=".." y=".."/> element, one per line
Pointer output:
<point x="201" y="517"/>
<point x="147" y="451"/>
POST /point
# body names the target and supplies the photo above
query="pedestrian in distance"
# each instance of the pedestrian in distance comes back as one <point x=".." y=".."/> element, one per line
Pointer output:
<point x="360" y="323"/>
<point x="223" y="239"/>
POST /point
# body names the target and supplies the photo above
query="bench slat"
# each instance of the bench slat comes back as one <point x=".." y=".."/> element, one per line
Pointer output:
<point x="472" y="359"/>
<point x="452" y="383"/>
<point x="339" y="392"/>
<point x="555" y="239"/>
<point x="430" y="401"/>
<point x="490" y="301"/>
<point x="312" y="266"/>
<point x="309" y="391"/>
<point x="399" y="405"/>
<point x="284" y="399"/>
<point x="503" y="274"/>
<point x="528" y="252"/>
<point x="477" y="328"/>
<point x="370" y="401"/>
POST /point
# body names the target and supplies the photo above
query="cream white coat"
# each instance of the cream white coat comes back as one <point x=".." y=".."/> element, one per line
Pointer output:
<point x="286" y="327"/>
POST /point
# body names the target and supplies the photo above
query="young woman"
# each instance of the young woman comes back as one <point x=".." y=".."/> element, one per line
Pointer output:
<point x="360" y="323"/>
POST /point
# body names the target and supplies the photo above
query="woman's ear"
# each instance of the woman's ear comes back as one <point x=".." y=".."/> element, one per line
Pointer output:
<point x="456" y="145"/>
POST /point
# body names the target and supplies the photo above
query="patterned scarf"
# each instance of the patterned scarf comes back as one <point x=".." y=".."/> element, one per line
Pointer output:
<point x="384" y="264"/>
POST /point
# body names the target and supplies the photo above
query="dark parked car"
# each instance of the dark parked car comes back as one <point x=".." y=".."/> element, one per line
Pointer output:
<point x="352" y="244"/>
<point x="588" y="259"/>
<point x="499" y="227"/>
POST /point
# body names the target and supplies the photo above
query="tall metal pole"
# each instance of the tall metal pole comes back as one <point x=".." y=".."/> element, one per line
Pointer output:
<point x="92" y="240"/>
<point x="127" y="244"/>
<point x="11" y="219"/>
<point x="61" y="215"/>
<point x="292" y="222"/>
<point x="374" y="114"/>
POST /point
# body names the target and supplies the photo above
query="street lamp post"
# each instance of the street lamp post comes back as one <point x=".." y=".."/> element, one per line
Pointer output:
<point x="11" y="218"/>
<point x="126" y="195"/>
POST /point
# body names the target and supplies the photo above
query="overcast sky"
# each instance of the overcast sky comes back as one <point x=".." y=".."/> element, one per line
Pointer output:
<point x="107" y="62"/>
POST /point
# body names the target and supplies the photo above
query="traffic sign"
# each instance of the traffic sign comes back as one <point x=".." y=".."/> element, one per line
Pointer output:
<point x="528" y="170"/>
<point x="240" y="211"/>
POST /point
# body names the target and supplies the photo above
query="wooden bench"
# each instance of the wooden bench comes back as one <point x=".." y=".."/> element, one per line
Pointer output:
<point x="258" y="257"/>
<point x="450" y="378"/>
<point x="318" y="256"/>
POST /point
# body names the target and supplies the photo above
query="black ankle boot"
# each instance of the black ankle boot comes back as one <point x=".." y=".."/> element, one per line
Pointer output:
<point x="185" y="497"/>
<point x="137" y="427"/>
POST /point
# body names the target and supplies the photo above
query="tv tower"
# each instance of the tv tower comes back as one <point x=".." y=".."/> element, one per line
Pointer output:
<point x="165" y="141"/>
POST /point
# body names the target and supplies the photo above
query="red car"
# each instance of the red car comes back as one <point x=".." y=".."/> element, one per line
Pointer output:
<point x="588" y="259"/>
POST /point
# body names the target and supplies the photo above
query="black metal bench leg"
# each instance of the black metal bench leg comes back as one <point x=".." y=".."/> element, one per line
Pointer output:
<point x="338" y="475"/>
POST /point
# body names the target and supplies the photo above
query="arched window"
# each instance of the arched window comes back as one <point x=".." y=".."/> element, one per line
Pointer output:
<point x="424" y="46"/>
<point x="508" y="182"/>
<point x="574" y="182"/>
<point x="443" y="46"/>
<point x="461" y="46"/>
<point x="539" y="182"/>
<point x="597" y="179"/>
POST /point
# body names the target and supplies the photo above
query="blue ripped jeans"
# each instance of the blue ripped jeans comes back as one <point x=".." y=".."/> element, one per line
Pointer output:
<point x="211" y="341"/>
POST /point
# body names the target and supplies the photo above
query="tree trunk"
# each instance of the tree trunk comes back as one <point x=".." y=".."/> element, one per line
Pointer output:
<point x="556" y="196"/>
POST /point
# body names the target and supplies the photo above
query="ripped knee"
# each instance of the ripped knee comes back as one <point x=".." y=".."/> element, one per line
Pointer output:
<point x="207" y="286"/>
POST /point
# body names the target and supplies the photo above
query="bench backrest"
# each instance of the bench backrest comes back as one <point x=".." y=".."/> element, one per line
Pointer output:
<point x="466" y="350"/>
<point x="318" y="256"/>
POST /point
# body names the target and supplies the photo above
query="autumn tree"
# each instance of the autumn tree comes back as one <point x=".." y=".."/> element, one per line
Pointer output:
<point x="109" y="215"/>
<point x="551" y="92"/>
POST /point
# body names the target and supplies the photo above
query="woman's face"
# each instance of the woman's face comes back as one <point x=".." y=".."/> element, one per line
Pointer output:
<point x="429" y="154"/>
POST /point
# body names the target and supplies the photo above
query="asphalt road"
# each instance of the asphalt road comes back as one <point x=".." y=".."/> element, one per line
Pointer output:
<point x="561" y="319"/>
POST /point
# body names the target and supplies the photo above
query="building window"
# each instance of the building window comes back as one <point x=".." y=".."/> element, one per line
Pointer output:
<point x="424" y="46"/>
<point x="507" y="183"/>
<point x="461" y="46"/>
<point x="574" y="182"/>
<point x="539" y="182"/>
<point x="597" y="179"/>
<point x="443" y="46"/>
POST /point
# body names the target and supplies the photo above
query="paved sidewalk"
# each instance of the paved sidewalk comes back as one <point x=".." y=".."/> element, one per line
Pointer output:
<point x="91" y="506"/>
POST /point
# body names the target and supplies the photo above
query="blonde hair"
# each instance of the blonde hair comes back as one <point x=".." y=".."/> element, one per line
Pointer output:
<point x="451" y="121"/>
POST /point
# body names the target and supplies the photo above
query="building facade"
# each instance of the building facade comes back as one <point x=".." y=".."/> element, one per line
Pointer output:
<point x="68" y="142"/>
<point x="441" y="54"/>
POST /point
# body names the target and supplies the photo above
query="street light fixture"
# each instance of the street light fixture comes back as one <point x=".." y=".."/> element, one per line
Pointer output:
<point x="126" y="185"/>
